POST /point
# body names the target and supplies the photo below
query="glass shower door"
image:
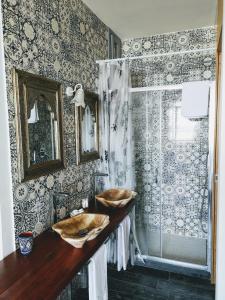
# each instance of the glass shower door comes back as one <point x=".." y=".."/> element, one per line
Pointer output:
<point x="170" y="162"/>
<point x="147" y="148"/>
<point x="184" y="154"/>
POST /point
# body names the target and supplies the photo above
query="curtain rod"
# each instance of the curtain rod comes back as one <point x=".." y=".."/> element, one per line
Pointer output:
<point x="156" y="88"/>
<point x="157" y="55"/>
<point x="164" y="87"/>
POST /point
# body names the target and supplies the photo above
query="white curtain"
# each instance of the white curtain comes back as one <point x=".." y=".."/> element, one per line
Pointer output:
<point x="115" y="124"/>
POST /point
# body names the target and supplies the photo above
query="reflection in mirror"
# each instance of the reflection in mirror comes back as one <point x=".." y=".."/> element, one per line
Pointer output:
<point x="87" y="129"/>
<point x="43" y="131"/>
<point x="39" y="110"/>
<point x="89" y="124"/>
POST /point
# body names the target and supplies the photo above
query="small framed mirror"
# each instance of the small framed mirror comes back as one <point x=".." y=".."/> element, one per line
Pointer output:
<point x="40" y="132"/>
<point x="87" y="129"/>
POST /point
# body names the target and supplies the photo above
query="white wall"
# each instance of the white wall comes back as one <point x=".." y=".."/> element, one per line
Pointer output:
<point x="7" y="242"/>
<point x="220" y="273"/>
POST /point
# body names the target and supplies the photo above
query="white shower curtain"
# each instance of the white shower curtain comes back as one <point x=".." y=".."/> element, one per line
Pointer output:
<point x="115" y="124"/>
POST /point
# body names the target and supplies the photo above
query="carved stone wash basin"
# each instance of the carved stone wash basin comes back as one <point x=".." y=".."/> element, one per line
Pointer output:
<point x="79" y="229"/>
<point x="115" y="197"/>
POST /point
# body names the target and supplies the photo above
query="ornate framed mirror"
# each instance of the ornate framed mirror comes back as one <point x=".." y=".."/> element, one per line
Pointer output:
<point x="39" y="131"/>
<point x="87" y="129"/>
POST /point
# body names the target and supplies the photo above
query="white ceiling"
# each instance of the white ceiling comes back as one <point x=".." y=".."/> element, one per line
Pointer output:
<point x="139" y="18"/>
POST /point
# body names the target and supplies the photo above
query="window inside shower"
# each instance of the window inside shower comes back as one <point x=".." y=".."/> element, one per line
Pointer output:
<point x="171" y="169"/>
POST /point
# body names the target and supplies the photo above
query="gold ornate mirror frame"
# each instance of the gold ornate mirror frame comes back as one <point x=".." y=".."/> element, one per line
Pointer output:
<point x="39" y="106"/>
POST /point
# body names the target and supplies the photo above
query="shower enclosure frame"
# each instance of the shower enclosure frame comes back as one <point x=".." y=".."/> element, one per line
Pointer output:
<point x="146" y="259"/>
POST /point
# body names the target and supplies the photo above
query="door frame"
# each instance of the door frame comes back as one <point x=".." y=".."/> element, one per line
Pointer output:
<point x="216" y="142"/>
<point x="7" y="239"/>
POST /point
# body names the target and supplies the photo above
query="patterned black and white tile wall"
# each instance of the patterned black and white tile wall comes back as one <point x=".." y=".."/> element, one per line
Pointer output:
<point x="59" y="39"/>
<point x="172" y="69"/>
<point x="199" y="38"/>
<point x="170" y="152"/>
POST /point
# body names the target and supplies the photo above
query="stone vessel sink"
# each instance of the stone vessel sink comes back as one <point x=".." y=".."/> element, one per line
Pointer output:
<point x="115" y="197"/>
<point x="79" y="229"/>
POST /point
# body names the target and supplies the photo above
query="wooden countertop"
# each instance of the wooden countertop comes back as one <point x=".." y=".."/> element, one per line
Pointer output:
<point x="52" y="264"/>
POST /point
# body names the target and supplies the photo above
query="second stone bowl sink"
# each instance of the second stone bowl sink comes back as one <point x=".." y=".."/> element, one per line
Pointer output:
<point x="115" y="197"/>
<point x="79" y="229"/>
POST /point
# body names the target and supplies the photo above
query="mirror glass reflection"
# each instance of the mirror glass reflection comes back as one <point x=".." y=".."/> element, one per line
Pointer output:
<point x="89" y="127"/>
<point x="43" y="131"/>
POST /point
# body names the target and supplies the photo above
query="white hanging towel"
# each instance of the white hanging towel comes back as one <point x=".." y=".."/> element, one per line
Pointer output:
<point x="195" y="99"/>
<point x="123" y="244"/>
<point x="112" y="248"/>
<point x="97" y="275"/>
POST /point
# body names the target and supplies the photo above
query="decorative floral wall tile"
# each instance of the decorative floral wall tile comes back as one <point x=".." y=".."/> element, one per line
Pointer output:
<point x="59" y="39"/>
<point x="199" y="38"/>
<point x="173" y="69"/>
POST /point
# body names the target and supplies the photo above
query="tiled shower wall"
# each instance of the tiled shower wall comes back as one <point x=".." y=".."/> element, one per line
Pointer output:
<point x="170" y="164"/>
<point x="176" y="68"/>
<point x="59" y="39"/>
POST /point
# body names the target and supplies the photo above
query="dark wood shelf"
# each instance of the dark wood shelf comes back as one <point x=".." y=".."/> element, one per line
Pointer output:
<point x="52" y="264"/>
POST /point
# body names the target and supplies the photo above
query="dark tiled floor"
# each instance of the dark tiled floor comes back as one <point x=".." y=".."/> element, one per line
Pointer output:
<point x="141" y="283"/>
